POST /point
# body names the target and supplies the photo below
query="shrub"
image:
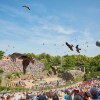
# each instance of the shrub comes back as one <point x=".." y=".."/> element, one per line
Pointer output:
<point x="1" y="71"/>
<point x="0" y="80"/>
<point x="92" y="75"/>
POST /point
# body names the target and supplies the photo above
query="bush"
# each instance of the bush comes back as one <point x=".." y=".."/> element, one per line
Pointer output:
<point x="92" y="75"/>
<point x="0" y="80"/>
<point x="1" y="71"/>
<point x="1" y="54"/>
<point x="13" y="89"/>
<point x="78" y="79"/>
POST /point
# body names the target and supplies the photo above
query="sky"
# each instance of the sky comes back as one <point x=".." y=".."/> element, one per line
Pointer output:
<point x="48" y="25"/>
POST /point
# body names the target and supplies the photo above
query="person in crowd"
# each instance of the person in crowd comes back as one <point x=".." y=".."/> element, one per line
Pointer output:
<point x="77" y="97"/>
<point x="55" y="97"/>
<point x="87" y="96"/>
<point x="67" y="93"/>
<point x="42" y="97"/>
<point x="9" y="97"/>
<point x="35" y="97"/>
<point x="94" y="94"/>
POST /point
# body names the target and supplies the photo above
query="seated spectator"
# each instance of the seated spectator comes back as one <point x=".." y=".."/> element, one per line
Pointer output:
<point x="42" y="97"/>
<point x="35" y="97"/>
<point x="55" y="97"/>
<point x="87" y="96"/>
<point x="77" y="97"/>
<point x="9" y="97"/>
<point x="67" y="93"/>
<point x="94" y="94"/>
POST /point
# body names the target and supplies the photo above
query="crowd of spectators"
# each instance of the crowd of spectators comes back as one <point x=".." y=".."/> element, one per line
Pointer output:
<point x="51" y="84"/>
<point x="89" y="90"/>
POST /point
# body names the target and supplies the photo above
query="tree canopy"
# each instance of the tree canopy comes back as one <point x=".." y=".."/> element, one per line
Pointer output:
<point x="1" y="54"/>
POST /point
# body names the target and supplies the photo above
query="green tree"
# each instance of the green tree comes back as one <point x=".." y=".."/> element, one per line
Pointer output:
<point x="1" y="54"/>
<point x="69" y="62"/>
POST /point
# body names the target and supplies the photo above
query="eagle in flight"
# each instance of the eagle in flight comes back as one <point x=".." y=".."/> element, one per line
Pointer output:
<point x="70" y="46"/>
<point x="25" y="60"/>
<point x="78" y="49"/>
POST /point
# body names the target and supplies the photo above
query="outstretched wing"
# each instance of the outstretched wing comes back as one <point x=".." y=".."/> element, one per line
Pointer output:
<point x="54" y="70"/>
<point x="14" y="56"/>
<point x="26" y="7"/>
<point x="70" y="46"/>
<point x="78" y="49"/>
<point x="25" y="57"/>
<point x="77" y="46"/>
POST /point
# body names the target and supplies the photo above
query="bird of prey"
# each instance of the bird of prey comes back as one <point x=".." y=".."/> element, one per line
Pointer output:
<point x="54" y="70"/>
<point x="26" y="7"/>
<point x="98" y="43"/>
<point x="70" y="46"/>
<point x="14" y="56"/>
<point x="26" y="60"/>
<point x="48" y="74"/>
<point x="78" y="49"/>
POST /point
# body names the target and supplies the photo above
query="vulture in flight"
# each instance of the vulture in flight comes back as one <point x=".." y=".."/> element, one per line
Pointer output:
<point x="70" y="46"/>
<point x="54" y="70"/>
<point x="78" y="49"/>
<point x="26" y="60"/>
<point x="26" y="7"/>
<point x="14" y="56"/>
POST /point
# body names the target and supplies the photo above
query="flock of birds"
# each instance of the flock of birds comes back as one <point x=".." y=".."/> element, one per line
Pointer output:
<point x="70" y="46"/>
<point x="27" y="60"/>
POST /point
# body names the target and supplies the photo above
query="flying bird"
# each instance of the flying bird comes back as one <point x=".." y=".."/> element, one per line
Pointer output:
<point x="98" y="43"/>
<point x="78" y="49"/>
<point x="26" y="60"/>
<point x="54" y="70"/>
<point x="48" y="74"/>
<point x="70" y="46"/>
<point x="14" y="56"/>
<point x="26" y="7"/>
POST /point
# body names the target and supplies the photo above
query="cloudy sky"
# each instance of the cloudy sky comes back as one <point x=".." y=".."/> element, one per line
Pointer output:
<point x="48" y="25"/>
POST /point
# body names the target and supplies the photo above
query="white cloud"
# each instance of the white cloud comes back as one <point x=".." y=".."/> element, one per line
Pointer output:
<point x="40" y="30"/>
